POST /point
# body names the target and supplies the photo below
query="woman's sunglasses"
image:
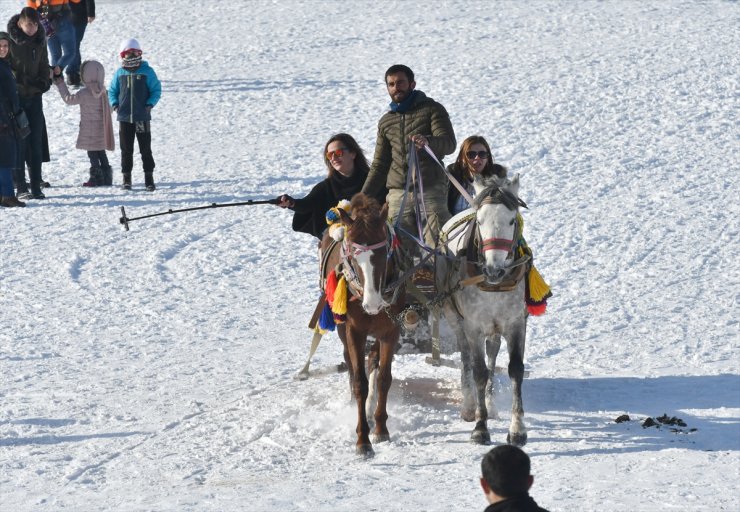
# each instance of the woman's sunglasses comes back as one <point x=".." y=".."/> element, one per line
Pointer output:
<point x="337" y="152"/>
<point x="480" y="154"/>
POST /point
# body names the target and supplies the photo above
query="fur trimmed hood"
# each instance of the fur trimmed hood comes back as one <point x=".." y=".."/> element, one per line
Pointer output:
<point x="20" y="38"/>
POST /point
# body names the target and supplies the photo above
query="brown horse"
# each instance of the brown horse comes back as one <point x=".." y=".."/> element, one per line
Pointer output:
<point x="366" y="261"/>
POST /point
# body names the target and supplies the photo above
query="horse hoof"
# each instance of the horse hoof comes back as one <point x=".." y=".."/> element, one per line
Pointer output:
<point x="365" y="451"/>
<point x="381" y="438"/>
<point x="516" y="439"/>
<point x="480" y="437"/>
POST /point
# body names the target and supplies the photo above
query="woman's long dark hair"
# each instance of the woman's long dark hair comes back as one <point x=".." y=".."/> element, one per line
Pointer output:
<point x="350" y="143"/>
<point x="463" y="165"/>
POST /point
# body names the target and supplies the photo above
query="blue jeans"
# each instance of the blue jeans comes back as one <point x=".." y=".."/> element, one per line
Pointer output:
<point x="6" y="182"/>
<point x="62" y="43"/>
<point x="74" y="66"/>
<point x="33" y="144"/>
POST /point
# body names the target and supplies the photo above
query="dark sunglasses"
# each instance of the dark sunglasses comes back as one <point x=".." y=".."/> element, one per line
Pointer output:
<point x="480" y="154"/>
<point x="337" y="152"/>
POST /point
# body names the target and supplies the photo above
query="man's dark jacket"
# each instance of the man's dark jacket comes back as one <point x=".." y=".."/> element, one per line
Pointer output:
<point x="424" y="117"/>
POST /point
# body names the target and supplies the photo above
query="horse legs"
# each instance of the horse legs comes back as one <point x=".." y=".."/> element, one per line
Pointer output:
<point x="493" y="344"/>
<point x="384" y="385"/>
<point x="480" y="433"/>
<point x="467" y="411"/>
<point x="356" y="347"/>
<point x="515" y="342"/>
<point x="342" y="333"/>
<point x="372" y="377"/>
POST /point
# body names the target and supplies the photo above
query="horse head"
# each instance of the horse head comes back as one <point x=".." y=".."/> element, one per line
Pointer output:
<point x="497" y="205"/>
<point x="366" y="246"/>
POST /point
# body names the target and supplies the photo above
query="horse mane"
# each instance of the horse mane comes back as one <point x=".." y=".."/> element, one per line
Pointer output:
<point x="366" y="214"/>
<point x="495" y="189"/>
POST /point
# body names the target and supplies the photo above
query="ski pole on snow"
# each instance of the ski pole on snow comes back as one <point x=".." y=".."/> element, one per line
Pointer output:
<point x="125" y="220"/>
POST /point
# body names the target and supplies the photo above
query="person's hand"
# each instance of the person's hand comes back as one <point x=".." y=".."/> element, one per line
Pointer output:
<point x="115" y="108"/>
<point x="285" y="201"/>
<point x="148" y="109"/>
<point x="420" y="141"/>
<point x="56" y="72"/>
<point x="90" y="19"/>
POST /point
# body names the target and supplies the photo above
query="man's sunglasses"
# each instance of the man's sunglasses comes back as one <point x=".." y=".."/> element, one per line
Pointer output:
<point x="337" y="152"/>
<point x="480" y="154"/>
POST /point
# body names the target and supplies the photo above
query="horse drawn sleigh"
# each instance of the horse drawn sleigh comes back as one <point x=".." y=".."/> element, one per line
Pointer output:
<point x="484" y="284"/>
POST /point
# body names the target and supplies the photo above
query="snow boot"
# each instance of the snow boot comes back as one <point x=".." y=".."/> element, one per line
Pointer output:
<point x="107" y="172"/>
<point x="126" y="181"/>
<point x="96" y="177"/>
<point x="73" y="79"/>
<point x="149" y="181"/>
<point x="11" y="202"/>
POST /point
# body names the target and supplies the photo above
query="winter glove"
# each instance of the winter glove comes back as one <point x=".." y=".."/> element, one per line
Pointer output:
<point x="115" y="108"/>
<point x="285" y="201"/>
<point x="149" y="109"/>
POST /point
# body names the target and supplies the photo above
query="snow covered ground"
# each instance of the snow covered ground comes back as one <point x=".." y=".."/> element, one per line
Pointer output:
<point x="151" y="370"/>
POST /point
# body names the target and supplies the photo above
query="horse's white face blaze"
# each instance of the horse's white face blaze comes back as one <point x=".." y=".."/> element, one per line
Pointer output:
<point x="372" y="299"/>
<point x="496" y="222"/>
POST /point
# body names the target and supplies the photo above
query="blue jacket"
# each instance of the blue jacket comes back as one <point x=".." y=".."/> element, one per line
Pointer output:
<point x="133" y="91"/>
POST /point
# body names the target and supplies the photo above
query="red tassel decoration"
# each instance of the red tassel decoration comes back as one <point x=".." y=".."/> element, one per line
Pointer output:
<point x="537" y="309"/>
<point x="330" y="287"/>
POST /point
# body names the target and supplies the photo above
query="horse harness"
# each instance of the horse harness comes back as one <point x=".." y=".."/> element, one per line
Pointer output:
<point x="348" y="254"/>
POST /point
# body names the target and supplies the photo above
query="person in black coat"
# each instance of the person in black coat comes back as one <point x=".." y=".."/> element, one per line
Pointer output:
<point x="506" y="480"/>
<point x="348" y="170"/>
<point x="30" y="64"/>
<point x="9" y="105"/>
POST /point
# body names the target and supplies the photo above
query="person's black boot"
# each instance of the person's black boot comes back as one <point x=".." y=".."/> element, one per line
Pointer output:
<point x="73" y="79"/>
<point x="126" y="181"/>
<point x="107" y="171"/>
<point x="149" y="181"/>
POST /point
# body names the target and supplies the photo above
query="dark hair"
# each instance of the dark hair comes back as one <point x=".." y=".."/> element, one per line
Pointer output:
<point x="462" y="164"/>
<point x="30" y="14"/>
<point x="351" y="144"/>
<point x="4" y="35"/>
<point x="399" y="68"/>
<point x="506" y="470"/>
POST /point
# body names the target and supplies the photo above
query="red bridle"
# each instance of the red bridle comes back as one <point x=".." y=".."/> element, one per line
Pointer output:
<point x="496" y="244"/>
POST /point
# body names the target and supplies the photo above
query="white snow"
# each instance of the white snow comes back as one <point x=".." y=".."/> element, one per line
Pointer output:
<point x="152" y="370"/>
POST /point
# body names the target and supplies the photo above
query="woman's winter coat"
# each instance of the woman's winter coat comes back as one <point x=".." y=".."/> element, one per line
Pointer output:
<point x="8" y="104"/>
<point x="134" y="90"/>
<point x="310" y="212"/>
<point x="29" y="59"/>
<point x="96" y="126"/>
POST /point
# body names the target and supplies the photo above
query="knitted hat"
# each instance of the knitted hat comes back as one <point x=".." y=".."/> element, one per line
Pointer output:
<point x="4" y="35"/>
<point x="128" y="45"/>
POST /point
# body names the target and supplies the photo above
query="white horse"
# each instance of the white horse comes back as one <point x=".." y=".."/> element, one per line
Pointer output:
<point x="481" y="242"/>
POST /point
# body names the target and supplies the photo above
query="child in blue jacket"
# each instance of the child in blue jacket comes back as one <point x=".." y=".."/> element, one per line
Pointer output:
<point x="134" y="91"/>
